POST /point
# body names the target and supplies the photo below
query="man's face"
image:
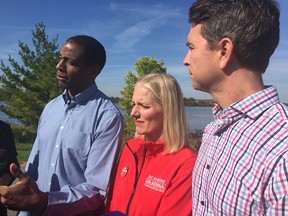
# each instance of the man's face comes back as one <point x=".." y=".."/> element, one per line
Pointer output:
<point x="202" y="62"/>
<point x="72" y="73"/>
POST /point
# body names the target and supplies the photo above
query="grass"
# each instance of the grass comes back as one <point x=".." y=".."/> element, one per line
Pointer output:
<point x="23" y="150"/>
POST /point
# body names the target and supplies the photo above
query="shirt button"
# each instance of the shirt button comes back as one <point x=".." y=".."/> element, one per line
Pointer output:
<point x="202" y="203"/>
<point x="52" y="164"/>
<point x="208" y="167"/>
<point x="57" y="146"/>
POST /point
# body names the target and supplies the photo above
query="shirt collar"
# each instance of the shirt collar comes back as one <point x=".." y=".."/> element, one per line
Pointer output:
<point x="82" y="97"/>
<point x="250" y="107"/>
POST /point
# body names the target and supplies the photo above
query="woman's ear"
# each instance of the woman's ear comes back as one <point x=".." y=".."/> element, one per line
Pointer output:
<point x="226" y="49"/>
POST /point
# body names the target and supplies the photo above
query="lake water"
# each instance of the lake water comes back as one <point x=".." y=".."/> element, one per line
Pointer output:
<point x="6" y="118"/>
<point x="197" y="117"/>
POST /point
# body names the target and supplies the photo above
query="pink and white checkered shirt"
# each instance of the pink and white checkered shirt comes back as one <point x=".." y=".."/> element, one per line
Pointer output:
<point x="242" y="166"/>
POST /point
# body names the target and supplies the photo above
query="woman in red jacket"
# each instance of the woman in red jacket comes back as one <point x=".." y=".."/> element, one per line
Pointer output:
<point x="154" y="172"/>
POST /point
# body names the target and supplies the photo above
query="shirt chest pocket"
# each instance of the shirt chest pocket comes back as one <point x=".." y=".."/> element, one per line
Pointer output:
<point x="75" y="143"/>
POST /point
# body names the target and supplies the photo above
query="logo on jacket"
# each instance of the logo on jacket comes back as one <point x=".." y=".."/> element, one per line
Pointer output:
<point x="155" y="183"/>
<point x="124" y="172"/>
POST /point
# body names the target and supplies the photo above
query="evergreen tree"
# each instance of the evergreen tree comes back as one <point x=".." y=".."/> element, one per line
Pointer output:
<point x="143" y="66"/>
<point x="31" y="84"/>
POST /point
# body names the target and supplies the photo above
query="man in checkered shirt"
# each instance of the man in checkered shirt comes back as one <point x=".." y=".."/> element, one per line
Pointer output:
<point x="242" y="166"/>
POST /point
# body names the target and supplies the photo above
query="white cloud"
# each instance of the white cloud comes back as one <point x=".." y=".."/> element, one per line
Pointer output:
<point x="135" y="22"/>
<point x="126" y="40"/>
<point x="113" y="6"/>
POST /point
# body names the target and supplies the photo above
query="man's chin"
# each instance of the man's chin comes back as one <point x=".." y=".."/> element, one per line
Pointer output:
<point x="62" y="85"/>
<point x="198" y="88"/>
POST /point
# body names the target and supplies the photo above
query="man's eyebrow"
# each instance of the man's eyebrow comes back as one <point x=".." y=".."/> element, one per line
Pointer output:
<point x="189" y="44"/>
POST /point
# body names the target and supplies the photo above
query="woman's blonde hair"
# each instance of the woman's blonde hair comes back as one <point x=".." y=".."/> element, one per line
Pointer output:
<point x="167" y="92"/>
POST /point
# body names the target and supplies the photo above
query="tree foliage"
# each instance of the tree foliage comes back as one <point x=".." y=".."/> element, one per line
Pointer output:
<point x="143" y="66"/>
<point x="26" y="87"/>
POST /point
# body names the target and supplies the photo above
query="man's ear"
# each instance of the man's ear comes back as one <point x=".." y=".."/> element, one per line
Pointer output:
<point x="95" y="70"/>
<point x="226" y="49"/>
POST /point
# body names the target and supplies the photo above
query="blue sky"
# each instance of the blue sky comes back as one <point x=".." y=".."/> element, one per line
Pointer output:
<point x="129" y="29"/>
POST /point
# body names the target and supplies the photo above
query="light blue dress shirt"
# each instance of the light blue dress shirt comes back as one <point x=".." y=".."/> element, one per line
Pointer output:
<point x="74" y="150"/>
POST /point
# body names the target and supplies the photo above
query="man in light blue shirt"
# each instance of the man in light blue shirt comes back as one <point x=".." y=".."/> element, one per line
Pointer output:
<point x="77" y="141"/>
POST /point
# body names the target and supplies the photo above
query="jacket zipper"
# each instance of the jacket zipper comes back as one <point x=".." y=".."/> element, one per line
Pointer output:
<point x="136" y="177"/>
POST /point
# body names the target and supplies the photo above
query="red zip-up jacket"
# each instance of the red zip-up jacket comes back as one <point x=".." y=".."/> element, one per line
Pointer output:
<point x="148" y="182"/>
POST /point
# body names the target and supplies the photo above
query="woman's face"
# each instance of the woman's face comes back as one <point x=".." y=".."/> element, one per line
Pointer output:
<point x="147" y="113"/>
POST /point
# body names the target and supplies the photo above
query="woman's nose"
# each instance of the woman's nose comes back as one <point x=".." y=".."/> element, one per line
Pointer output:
<point x="134" y="111"/>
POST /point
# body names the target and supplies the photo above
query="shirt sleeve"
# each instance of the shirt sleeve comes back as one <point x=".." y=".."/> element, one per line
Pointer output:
<point x="276" y="195"/>
<point x="88" y="196"/>
<point x="178" y="197"/>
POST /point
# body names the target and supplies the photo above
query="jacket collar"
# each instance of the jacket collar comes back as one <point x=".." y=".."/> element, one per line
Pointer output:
<point x="138" y="145"/>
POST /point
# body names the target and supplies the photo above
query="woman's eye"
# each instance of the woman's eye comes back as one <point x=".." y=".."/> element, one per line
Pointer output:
<point x="145" y="106"/>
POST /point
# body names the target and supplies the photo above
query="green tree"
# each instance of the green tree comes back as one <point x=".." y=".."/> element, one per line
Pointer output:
<point x="31" y="84"/>
<point x="143" y="66"/>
